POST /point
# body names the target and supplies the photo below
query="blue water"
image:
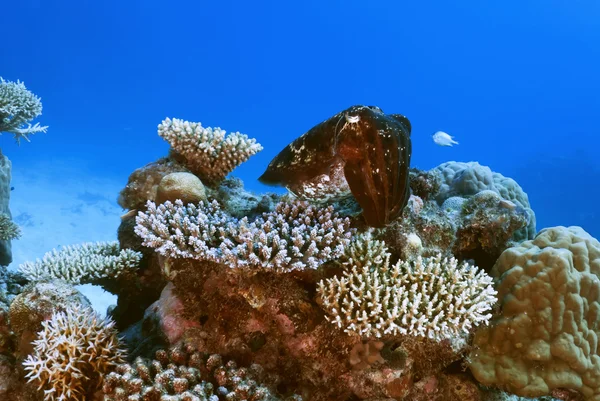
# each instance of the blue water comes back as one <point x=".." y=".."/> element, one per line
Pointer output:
<point x="516" y="82"/>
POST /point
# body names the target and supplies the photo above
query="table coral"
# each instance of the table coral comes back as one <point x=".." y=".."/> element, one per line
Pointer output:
<point x="545" y="336"/>
<point x="207" y="152"/>
<point x="87" y="263"/>
<point x="18" y="106"/>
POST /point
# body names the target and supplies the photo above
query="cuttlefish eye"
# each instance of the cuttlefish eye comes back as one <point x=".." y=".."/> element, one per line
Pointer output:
<point x="352" y="119"/>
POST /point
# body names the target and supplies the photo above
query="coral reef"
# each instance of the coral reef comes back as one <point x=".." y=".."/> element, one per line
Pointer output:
<point x="366" y="289"/>
<point x="18" y="106"/>
<point x="469" y="217"/>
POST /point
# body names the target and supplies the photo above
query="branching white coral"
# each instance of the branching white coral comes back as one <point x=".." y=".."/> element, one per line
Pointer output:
<point x="18" y="106"/>
<point x="435" y="298"/>
<point x="294" y="236"/>
<point x="208" y="152"/>
<point x="83" y="264"/>
<point x="184" y="231"/>
<point x="72" y="353"/>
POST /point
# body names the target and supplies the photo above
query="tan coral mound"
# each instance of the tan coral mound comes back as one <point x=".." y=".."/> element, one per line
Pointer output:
<point x="546" y="335"/>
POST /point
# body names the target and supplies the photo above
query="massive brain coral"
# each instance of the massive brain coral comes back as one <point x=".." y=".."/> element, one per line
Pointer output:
<point x="467" y="179"/>
<point x="546" y="334"/>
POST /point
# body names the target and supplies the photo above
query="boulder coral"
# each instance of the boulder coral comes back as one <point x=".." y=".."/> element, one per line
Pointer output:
<point x="544" y="336"/>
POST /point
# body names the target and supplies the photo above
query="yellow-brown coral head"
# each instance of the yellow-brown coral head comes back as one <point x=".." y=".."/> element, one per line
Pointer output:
<point x="361" y="151"/>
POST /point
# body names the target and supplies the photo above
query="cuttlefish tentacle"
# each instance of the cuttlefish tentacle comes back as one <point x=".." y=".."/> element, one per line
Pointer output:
<point x="370" y="148"/>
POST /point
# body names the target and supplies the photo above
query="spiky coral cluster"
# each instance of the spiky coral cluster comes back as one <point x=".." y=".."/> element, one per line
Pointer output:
<point x="73" y="352"/>
<point x="179" y="230"/>
<point x="183" y="374"/>
<point x="436" y="298"/>
<point x="208" y="152"/>
<point x="18" y="106"/>
<point x="8" y="229"/>
<point x="83" y="264"/>
<point x="294" y="236"/>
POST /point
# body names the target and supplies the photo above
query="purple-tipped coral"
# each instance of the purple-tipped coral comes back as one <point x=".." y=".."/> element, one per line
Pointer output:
<point x="295" y="236"/>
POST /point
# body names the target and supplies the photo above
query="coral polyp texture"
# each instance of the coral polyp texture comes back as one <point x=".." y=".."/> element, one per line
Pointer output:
<point x="83" y="264"/>
<point x="434" y="298"/>
<point x="207" y="152"/>
<point x="295" y="236"/>
<point x="18" y="106"/>
<point x="183" y="374"/>
<point x="545" y="336"/>
<point x="73" y="352"/>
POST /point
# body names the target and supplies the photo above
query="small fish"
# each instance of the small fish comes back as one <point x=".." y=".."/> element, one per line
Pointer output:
<point x="12" y="188"/>
<point x="443" y="139"/>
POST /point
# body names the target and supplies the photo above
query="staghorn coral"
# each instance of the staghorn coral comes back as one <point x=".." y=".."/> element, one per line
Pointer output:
<point x="74" y="351"/>
<point x="8" y="229"/>
<point x="295" y="236"/>
<point x="183" y="374"/>
<point x="84" y="263"/>
<point x="207" y="152"/>
<point x="18" y="106"/>
<point x="435" y="299"/>
<point x="545" y="334"/>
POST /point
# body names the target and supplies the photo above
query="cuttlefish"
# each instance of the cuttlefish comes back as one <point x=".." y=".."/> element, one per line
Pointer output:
<point x="361" y="151"/>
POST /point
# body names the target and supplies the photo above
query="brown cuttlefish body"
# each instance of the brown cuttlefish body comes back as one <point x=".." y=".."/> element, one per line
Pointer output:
<point x="359" y="150"/>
